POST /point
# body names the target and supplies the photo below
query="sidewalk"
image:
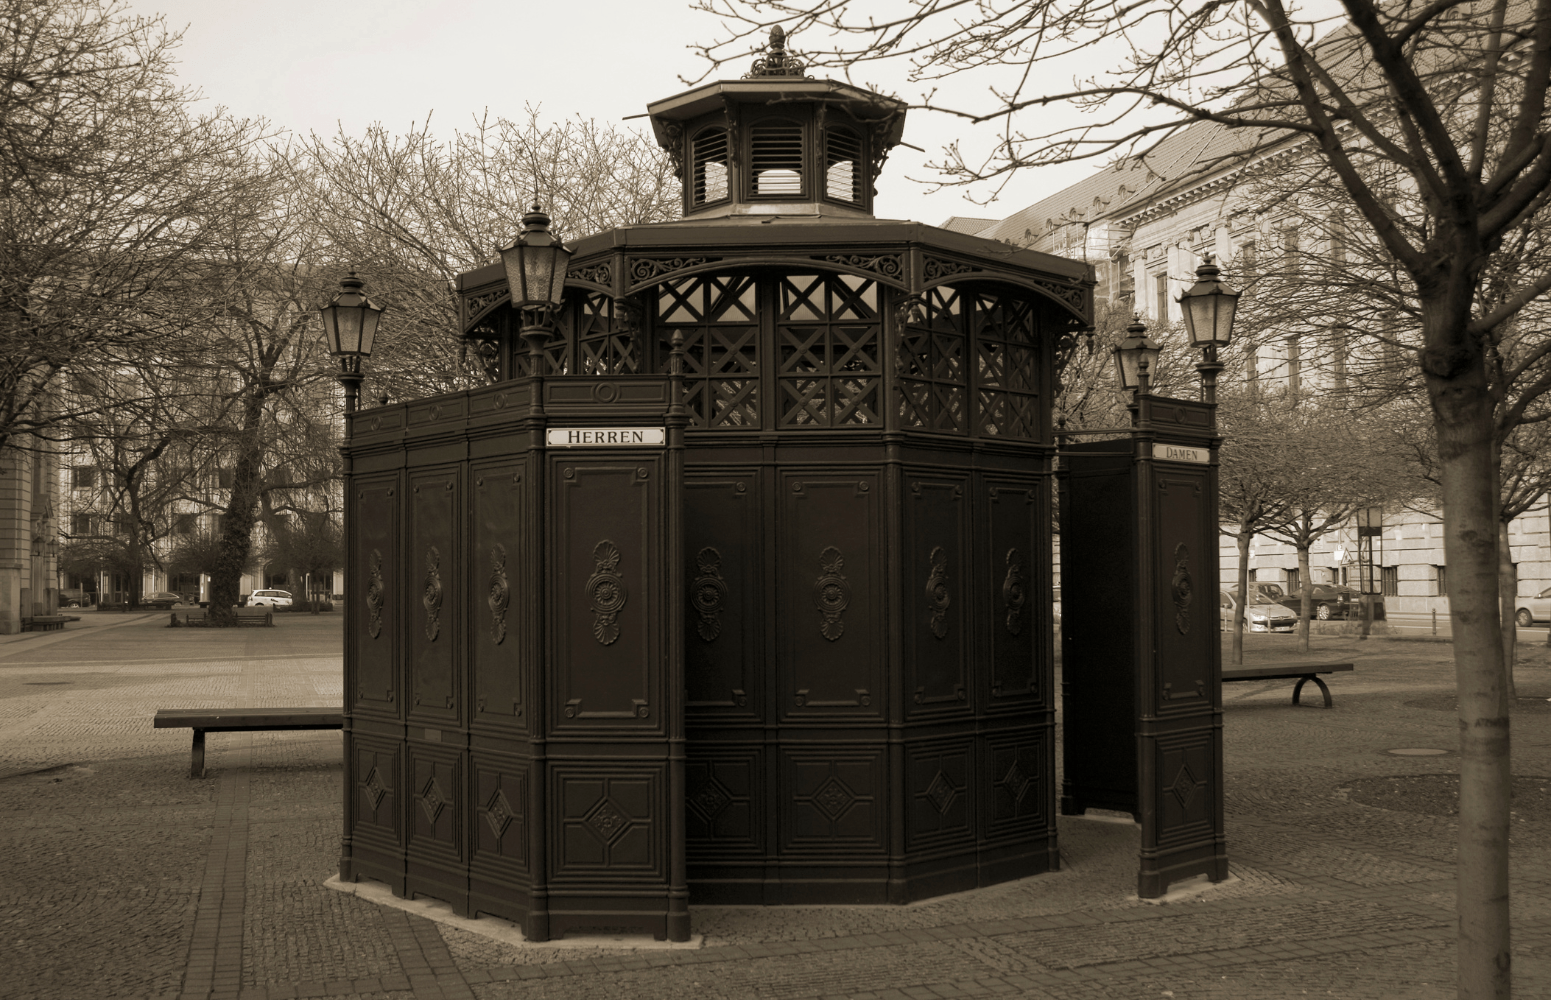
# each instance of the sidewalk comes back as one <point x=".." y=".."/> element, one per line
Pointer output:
<point x="123" y="878"/>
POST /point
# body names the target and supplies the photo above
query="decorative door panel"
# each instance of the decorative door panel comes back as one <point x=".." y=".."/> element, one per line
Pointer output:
<point x="607" y="823"/>
<point x="606" y="595"/>
<point x="723" y="656"/>
<point x="724" y="812"/>
<point x="936" y="562"/>
<point x="500" y="813"/>
<point x="436" y="803"/>
<point x="376" y="575"/>
<point x="1017" y="773"/>
<point x="835" y="802"/>
<point x="1186" y="801"/>
<point x="500" y="632"/>
<point x="435" y="575"/>
<point x="1016" y="575"/>
<point x="1185" y="593"/>
<point x="831" y="645"/>
<point x="377" y="780"/>
<point x="941" y="795"/>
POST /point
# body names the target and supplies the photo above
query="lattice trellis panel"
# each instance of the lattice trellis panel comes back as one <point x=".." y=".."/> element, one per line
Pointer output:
<point x="932" y="376"/>
<point x="828" y="344"/>
<point x="719" y="320"/>
<point x="1006" y="366"/>
<point x="602" y="346"/>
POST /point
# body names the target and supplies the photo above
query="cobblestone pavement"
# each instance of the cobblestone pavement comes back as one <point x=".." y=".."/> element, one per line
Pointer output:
<point x="122" y="878"/>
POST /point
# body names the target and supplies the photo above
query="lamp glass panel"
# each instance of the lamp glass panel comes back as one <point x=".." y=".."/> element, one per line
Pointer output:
<point x="349" y="320"/>
<point x="369" y="320"/>
<point x="1224" y="316"/>
<point x="511" y="261"/>
<point x="330" y="328"/>
<point x="557" y="285"/>
<point x="538" y="266"/>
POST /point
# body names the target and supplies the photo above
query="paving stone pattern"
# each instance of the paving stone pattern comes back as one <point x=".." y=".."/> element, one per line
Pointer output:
<point x="122" y="878"/>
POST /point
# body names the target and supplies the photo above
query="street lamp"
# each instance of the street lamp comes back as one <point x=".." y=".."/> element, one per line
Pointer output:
<point x="1209" y="307"/>
<point x="350" y="324"/>
<point x="1135" y="356"/>
<point x="535" y="265"/>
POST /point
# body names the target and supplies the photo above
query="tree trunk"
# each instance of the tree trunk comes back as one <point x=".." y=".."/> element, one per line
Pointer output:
<point x="241" y="511"/>
<point x="1462" y="416"/>
<point x="1507" y="599"/>
<point x="1305" y="598"/>
<point x="1237" y="641"/>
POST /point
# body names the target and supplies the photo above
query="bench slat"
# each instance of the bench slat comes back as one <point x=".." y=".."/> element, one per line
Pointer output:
<point x="216" y="719"/>
<point x="1283" y="670"/>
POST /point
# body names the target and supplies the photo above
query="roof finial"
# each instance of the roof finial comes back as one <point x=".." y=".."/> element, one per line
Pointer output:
<point x="776" y="61"/>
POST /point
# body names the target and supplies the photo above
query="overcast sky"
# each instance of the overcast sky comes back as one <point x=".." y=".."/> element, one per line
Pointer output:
<point x="312" y="65"/>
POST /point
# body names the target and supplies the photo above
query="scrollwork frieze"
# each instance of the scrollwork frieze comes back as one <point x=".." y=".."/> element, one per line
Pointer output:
<point x="886" y="265"/>
<point x="601" y="273"/>
<point x="651" y="268"/>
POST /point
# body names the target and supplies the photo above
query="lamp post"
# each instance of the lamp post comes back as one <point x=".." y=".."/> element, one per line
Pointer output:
<point x="1209" y="307"/>
<point x="535" y="266"/>
<point x="350" y="324"/>
<point x="1134" y="359"/>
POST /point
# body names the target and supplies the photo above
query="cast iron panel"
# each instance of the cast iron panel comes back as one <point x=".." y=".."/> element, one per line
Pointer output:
<point x="1015" y="580"/>
<point x="936" y="588"/>
<point x="1185" y="593"/>
<point x="1186" y="799"/>
<point x="375" y="618"/>
<point x="831" y="643"/>
<point x="606" y="823"/>
<point x="377" y="780"/>
<point x="941" y="795"/>
<point x="501" y="612"/>
<point x="834" y="801"/>
<point x="724" y="799"/>
<point x="606" y="597"/>
<point x="500" y="812"/>
<point x="724" y="573"/>
<point x="436" y="803"/>
<point x="1017" y="775"/>
<point x="435" y="611"/>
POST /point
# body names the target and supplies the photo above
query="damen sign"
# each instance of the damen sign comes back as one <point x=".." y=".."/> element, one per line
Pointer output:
<point x="605" y="437"/>
<point x="1180" y="453"/>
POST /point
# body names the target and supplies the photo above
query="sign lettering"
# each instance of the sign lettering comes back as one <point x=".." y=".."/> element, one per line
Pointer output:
<point x="605" y="437"/>
<point x="1180" y="453"/>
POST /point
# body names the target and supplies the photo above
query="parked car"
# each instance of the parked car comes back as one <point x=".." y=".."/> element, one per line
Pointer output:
<point x="1262" y="614"/>
<point x="1266" y="589"/>
<point x="163" y="599"/>
<point x="270" y="598"/>
<point x="1534" y="609"/>
<point x="1335" y="601"/>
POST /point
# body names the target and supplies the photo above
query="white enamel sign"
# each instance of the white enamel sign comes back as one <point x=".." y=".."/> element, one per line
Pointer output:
<point x="1180" y="453"/>
<point x="605" y="437"/>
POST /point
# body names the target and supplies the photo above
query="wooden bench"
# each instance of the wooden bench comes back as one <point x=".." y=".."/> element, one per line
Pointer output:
<point x="1303" y="672"/>
<point x="45" y="623"/>
<point x="245" y="616"/>
<point x="238" y="720"/>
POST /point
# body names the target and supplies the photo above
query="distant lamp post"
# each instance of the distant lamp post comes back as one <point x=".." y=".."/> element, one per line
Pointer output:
<point x="1135" y="357"/>
<point x="1209" y="307"/>
<point x="536" y="265"/>
<point x="350" y="324"/>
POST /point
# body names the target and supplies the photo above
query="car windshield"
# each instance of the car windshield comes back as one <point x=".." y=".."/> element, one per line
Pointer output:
<point x="1262" y="599"/>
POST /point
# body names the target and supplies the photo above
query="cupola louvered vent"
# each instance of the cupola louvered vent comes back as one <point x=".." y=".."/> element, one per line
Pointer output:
<point x="777" y="159"/>
<point x="843" y="172"/>
<point x="710" y="157"/>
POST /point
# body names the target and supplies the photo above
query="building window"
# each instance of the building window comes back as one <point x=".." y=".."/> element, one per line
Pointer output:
<point x="1338" y="349"/>
<point x="223" y="478"/>
<point x="1247" y="261"/>
<point x="1161" y="286"/>
<point x="1442" y="573"/>
<point x="1252" y="367"/>
<point x="1389" y="581"/>
<point x="1294" y="580"/>
<point x="83" y="477"/>
<point x="1290" y="256"/>
<point x="184" y="524"/>
<point x="81" y="525"/>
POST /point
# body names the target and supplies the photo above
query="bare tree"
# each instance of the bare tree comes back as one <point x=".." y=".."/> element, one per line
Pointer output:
<point x="1414" y="88"/>
<point x="1252" y="485"/>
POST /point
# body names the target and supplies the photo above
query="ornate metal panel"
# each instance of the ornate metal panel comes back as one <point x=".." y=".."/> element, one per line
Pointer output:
<point x="375" y="620"/>
<point x="605" y="603"/>
<point x="436" y="606"/>
<point x="1006" y="337"/>
<point x="500" y="814"/>
<point x="829" y="351"/>
<point x="718" y="317"/>
<point x="942" y="794"/>
<point x="1185" y="600"/>
<point x="501" y="613"/>
<point x="606" y="343"/>
<point x="724" y="813"/>
<point x="937" y="564"/>
<point x="436" y="802"/>
<point x="1015" y="578"/>
<point x="377" y="783"/>
<point x="831" y="603"/>
<point x="723" y="568"/>
<point x="931" y="391"/>
<point x="608" y="825"/>
<point x="1016" y="775"/>
<point x="834" y="801"/>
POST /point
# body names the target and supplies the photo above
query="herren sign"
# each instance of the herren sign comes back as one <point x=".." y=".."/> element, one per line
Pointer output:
<point x="605" y="437"/>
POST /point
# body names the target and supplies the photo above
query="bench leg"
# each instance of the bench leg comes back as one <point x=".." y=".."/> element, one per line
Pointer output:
<point x="197" y="765"/>
<point x="1298" y="688"/>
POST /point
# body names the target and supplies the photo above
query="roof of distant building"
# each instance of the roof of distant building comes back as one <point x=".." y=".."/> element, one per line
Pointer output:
<point x="966" y="224"/>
